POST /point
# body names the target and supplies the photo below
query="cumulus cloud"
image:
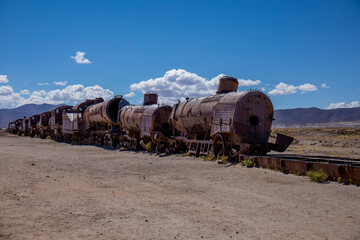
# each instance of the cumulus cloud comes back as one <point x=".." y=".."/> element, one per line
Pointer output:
<point x="344" y="105"/>
<point x="43" y="84"/>
<point x="129" y="95"/>
<point x="324" y="85"/>
<point x="248" y="83"/>
<point x="10" y="100"/>
<point x="307" y="87"/>
<point x="69" y="95"/>
<point x="79" y="58"/>
<point x="179" y="83"/>
<point x="4" y="79"/>
<point x="61" y="83"/>
<point x="285" y="89"/>
<point x="24" y="92"/>
<point x="6" y="90"/>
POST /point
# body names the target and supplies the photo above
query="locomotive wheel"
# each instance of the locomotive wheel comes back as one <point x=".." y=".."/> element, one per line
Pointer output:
<point x="219" y="146"/>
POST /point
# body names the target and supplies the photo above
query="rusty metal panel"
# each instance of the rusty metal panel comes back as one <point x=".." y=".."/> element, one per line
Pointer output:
<point x="146" y="125"/>
<point x="223" y="118"/>
<point x="295" y="165"/>
<point x="352" y="172"/>
<point x="70" y="122"/>
<point x="333" y="170"/>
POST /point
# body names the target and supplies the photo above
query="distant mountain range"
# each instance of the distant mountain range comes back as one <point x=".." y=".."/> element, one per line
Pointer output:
<point x="317" y="117"/>
<point x="9" y="115"/>
<point x="297" y="117"/>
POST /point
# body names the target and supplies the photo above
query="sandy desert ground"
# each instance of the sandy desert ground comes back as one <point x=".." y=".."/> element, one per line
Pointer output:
<point x="51" y="190"/>
<point x="341" y="142"/>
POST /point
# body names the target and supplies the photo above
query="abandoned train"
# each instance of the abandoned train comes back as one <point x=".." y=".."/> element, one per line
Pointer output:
<point x="227" y="123"/>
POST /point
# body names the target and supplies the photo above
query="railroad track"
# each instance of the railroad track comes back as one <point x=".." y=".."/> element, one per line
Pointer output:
<point x="343" y="169"/>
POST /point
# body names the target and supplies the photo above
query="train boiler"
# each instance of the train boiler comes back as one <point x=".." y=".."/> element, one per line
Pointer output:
<point x="228" y="122"/>
<point x="101" y="121"/>
<point x="145" y="123"/>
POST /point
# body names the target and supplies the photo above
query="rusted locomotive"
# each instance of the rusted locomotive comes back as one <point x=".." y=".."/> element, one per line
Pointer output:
<point x="32" y="124"/>
<point x="94" y="121"/>
<point x="145" y="123"/>
<point x="227" y="123"/>
<point x="23" y="127"/>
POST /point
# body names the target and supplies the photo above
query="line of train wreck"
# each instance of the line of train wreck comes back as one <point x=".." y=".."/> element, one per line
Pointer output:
<point x="228" y="123"/>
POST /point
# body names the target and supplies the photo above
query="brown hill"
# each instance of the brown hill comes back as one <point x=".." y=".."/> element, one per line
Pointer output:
<point x="27" y="110"/>
<point x="316" y="117"/>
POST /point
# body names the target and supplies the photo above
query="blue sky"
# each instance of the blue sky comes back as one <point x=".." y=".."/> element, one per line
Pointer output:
<point x="288" y="49"/>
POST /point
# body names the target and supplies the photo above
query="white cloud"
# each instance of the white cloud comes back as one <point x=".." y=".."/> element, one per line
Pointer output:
<point x="43" y="84"/>
<point x="24" y="92"/>
<point x="79" y="93"/>
<point x="6" y="90"/>
<point x="79" y="58"/>
<point x="4" y="79"/>
<point x="344" y="105"/>
<point x="324" y="85"/>
<point x="247" y="83"/>
<point x="307" y="87"/>
<point x="70" y="94"/>
<point x="10" y="100"/>
<point x="283" y="89"/>
<point x="61" y="83"/>
<point x="39" y="93"/>
<point x="179" y="83"/>
<point x="129" y="95"/>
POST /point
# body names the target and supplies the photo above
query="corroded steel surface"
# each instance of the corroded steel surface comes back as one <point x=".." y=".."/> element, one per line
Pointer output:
<point x="143" y="120"/>
<point x="227" y="84"/>
<point x="336" y="168"/>
<point x="105" y="112"/>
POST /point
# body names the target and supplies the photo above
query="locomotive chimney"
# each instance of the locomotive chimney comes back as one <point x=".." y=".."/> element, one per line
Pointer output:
<point x="227" y="84"/>
<point x="150" y="98"/>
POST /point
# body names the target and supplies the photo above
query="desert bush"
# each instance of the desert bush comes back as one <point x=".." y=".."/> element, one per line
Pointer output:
<point x="317" y="176"/>
<point x="23" y="135"/>
<point x="185" y="154"/>
<point x="223" y="159"/>
<point x="48" y="137"/>
<point x="247" y="162"/>
<point x="150" y="147"/>
<point x="209" y="157"/>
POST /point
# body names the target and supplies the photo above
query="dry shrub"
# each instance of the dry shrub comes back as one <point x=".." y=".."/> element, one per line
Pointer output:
<point x="247" y="162"/>
<point x="317" y="176"/>
<point x="150" y="147"/>
<point x="209" y="157"/>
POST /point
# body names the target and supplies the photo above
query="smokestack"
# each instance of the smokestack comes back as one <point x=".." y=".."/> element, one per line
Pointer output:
<point x="227" y="84"/>
<point x="150" y="98"/>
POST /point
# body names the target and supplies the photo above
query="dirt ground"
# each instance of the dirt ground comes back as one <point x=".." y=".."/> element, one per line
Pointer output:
<point x="51" y="190"/>
<point x="332" y="142"/>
